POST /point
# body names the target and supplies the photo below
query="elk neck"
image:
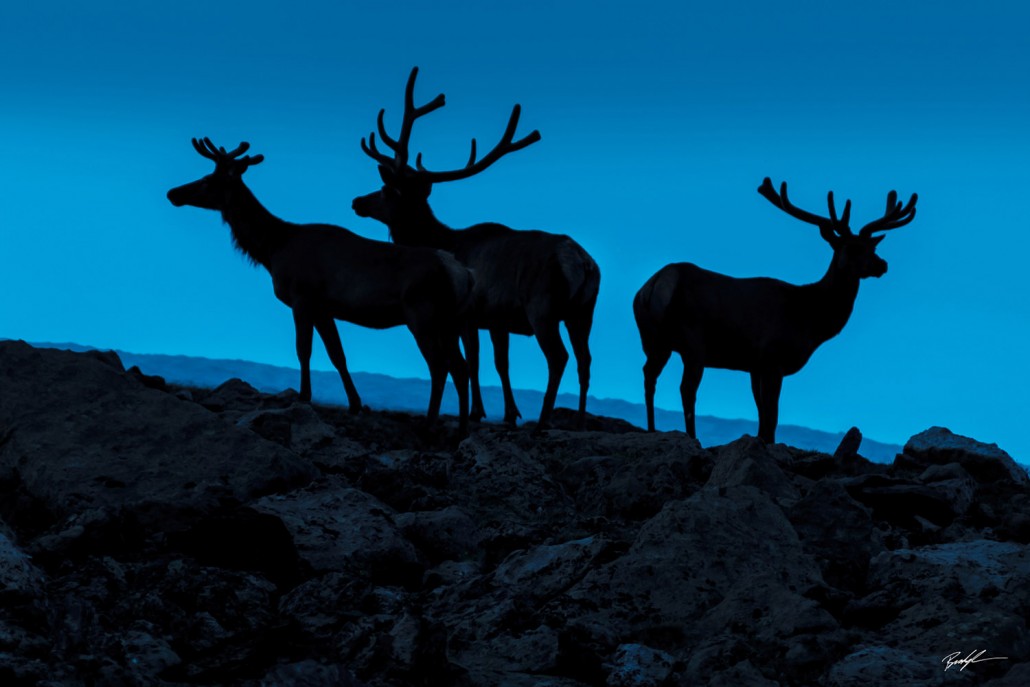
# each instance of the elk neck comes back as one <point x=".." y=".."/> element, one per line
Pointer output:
<point x="416" y="225"/>
<point x="830" y="300"/>
<point x="256" y="232"/>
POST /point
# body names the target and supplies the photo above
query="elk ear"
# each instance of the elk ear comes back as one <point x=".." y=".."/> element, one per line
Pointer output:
<point x="387" y="175"/>
<point x="829" y="236"/>
<point x="877" y="239"/>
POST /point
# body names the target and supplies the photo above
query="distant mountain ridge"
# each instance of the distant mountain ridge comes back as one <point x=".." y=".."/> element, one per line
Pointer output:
<point x="381" y="391"/>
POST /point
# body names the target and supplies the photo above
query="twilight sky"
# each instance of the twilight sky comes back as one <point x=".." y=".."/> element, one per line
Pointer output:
<point x="659" y="121"/>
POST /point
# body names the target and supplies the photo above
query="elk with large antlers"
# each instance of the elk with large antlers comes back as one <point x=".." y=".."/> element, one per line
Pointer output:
<point x="763" y="326"/>
<point x="527" y="282"/>
<point x="326" y="273"/>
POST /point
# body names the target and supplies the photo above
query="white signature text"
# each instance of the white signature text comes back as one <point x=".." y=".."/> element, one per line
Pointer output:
<point x="955" y="659"/>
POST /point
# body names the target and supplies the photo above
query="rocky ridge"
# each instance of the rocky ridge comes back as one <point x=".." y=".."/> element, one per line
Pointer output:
<point x="157" y="535"/>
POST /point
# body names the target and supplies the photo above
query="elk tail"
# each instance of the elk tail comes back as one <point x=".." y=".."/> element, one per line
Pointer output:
<point x="463" y="280"/>
<point x="581" y="273"/>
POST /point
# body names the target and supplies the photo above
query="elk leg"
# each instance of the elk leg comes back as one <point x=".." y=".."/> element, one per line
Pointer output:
<point x="331" y="339"/>
<point x="499" y="339"/>
<point x="692" y="373"/>
<point x="470" y="339"/>
<point x="549" y="338"/>
<point x="460" y="376"/>
<point x="436" y="357"/>
<point x="765" y="386"/>
<point x="579" y="337"/>
<point x="305" y="332"/>
<point x="653" y="367"/>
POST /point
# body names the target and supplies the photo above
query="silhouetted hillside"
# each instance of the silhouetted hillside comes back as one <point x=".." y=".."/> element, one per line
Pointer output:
<point x="163" y="536"/>
<point x="386" y="392"/>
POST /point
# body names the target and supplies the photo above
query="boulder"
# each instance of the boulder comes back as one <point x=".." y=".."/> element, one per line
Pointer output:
<point x="85" y="435"/>
<point x="337" y="527"/>
<point x="985" y="462"/>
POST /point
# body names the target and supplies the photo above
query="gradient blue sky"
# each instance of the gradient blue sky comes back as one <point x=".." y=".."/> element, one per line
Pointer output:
<point x="659" y="121"/>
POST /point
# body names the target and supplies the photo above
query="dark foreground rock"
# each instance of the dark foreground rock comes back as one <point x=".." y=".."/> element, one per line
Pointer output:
<point x="151" y="535"/>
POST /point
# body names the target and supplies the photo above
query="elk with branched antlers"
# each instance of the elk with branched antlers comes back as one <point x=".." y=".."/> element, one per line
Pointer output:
<point x="763" y="326"/>
<point x="325" y="273"/>
<point x="527" y="282"/>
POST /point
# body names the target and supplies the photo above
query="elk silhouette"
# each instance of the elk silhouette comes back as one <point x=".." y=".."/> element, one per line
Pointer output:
<point x="527" y="282"/>
<point x="763" y="326"/>
<point x="326" y="273"/>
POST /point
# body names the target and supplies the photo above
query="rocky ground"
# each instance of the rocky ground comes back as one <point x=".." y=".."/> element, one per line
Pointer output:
<point x="152" y="535"/>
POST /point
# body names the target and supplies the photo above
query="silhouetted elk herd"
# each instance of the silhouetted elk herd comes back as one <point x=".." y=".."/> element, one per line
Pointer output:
<point x="446" y="284"/>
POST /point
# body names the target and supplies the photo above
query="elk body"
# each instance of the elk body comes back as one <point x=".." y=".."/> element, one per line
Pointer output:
<point x="763" y="326"/>
<point x="326" y="273"/>
<point x="527" y="282"/>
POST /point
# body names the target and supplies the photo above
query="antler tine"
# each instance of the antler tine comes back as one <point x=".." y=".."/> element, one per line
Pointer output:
<point x="895" y="216"/>
<point x="215" y="152"/>
<point x="504" y="146"/>
<point x="373" y="152"/>
<point x="239" y="150"/>
<point x="392" y="144"/>
<point x="840" y="226"/>
<point x="782" y="201"/>
<point x="411" y="113"/>
<point x="472" y="159"/>
<point x="399" y="145"/>
<point x="199" y="147"/>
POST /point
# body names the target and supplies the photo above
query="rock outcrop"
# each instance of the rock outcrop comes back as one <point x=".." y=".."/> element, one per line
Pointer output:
<point x="156" y="535"/>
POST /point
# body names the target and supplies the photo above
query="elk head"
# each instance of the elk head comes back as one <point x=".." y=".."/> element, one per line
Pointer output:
<point x="406" y="189"/>
<point x="209" y="192"/>
<point x="853" y="254"/>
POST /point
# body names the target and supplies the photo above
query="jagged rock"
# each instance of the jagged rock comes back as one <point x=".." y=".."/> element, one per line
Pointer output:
<point x="447" y="534"/>
<point x="297" y="427"/>
<point x="637" y="665"/>
<point x="547" y="570"/>
<point x="884" y="665"/>
<point x="309" y="673"/>
<point x="170" y="546"/>
<point x="87" y="436"/>
<point x="985" y="462"/>
<point x="323" y="605"/>
<point x="510" y="495"/>
<point x="1017" y="676"/>
<point x="19" y="578"/>
<point x="849" y="444"/>
<point x="900" y="501"/>
<point x="628" y="476"/>
<point x="838" y="531"/>
<point x="336" y="527"/>
<point x="693" y="556"/>
<point x="739" y="674"/>
<point x="233" y="394"/>
<point x="147" y="655"/>
<point x="952" y="595"/>
<point x="750" y="462"/>
<point x="953" y="483"/>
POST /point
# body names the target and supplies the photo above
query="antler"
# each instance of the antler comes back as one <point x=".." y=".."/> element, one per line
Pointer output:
<point x="411" y="113"/>
<point x="781" y="201"/>
<point x="505" y="146"/>
<point x="828" y="226"/>
<point x="895" y="215"/>
<point x="208" y="149"/>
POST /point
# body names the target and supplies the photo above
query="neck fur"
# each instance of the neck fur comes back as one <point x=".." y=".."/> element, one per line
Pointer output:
<point x="255" y="231"/>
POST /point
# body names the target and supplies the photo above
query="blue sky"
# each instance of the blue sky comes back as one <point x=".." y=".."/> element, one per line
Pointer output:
<point x="658" y="122"/>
